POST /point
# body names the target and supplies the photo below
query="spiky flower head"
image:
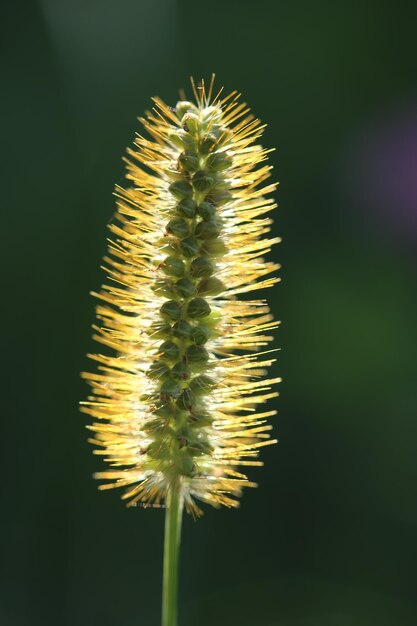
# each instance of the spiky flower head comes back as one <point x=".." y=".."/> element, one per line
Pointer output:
<point x="176" y="395"/>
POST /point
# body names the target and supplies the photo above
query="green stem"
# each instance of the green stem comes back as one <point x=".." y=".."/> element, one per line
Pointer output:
<point x="172" y="542"/>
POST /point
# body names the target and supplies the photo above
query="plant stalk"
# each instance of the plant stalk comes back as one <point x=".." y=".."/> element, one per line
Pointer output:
<point x="173" y="518"/>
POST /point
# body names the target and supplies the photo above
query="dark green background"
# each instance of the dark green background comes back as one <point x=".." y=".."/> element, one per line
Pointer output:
<point x="329" y="538"/>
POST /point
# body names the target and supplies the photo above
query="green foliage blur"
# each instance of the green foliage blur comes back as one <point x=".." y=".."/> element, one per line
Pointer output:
<point x="329" y="537"/>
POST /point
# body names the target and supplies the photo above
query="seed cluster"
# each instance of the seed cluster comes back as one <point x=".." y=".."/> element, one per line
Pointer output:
<point x="176" y="398"/>
<point x="182" y="424"/>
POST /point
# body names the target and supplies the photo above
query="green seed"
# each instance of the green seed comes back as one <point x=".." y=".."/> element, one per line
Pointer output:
<point x="169" y="350"/>
<point x="185" y="463"/>
<point x="189" y="246"/>
<point x="181" y="189"/>
<point x="210" y="287"/>
<point x="164" y="288"/>
<point x="184" y="107"/>
<point x="187" y="207"/>
<point x="157" y="370"/>
<point x="198" y="308"/>
<point x="171" y="246"/>
<point x="176" y="137"/>
<point x="207" y="230"/>
<point x="185" y="287"/>
<point x="218" y="161"/>
<point x="190" y="122"/>
<point x="178" y="227"/>
<point x="171" y="310"/>
<point x="207" y="143"/>
<point x="201" y="268"/>
<point x="181" y="371"/>
<point x="206" y="210"/>
<point x="173" y="266"/>
<point x="202" y="181"/>
<point x="186" y="400"/>
<point x="170" y="388"/>
<point x="214" y="247"/>
<point x="199" y="335"/>
<point x="201" y="385"/>
<point x="181" y="330"/>
<point x="181" y="139"/>
<point x="196" y="355"/>
<point x="188" y="161"/>
<point x="219" y="196"/>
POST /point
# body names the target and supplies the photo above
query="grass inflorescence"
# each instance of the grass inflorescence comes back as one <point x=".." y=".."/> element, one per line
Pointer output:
<point x="175" y="394"/>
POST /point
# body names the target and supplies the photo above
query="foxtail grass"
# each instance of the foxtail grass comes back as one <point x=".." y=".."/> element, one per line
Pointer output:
<point x="176" y="396"/>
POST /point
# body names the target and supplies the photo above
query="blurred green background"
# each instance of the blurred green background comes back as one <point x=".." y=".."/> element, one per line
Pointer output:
<point x="329" y="538"/>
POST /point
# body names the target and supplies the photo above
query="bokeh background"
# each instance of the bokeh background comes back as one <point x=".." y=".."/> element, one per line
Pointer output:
<point x="329" y="538"/>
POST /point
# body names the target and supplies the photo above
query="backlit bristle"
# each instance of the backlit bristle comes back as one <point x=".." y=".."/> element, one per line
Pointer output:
<point x="176" y="393"/>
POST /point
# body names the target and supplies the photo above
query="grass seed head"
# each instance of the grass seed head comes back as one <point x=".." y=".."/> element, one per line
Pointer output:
<point x="176" y="395"/>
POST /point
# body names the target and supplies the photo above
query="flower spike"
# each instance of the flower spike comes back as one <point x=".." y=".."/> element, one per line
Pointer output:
<point x="175" y="393"/>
